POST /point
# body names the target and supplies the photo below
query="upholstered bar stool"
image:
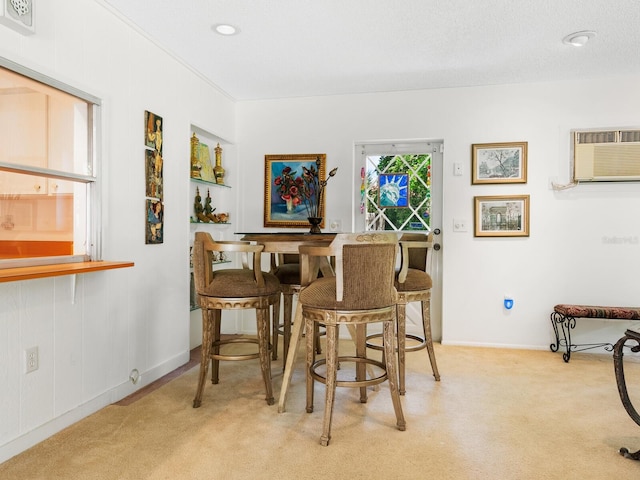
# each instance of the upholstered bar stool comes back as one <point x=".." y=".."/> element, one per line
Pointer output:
<point x="413" y="283"/>
<point x="361" y="292"/>
<point x="287" y="269"/>
<point x="230" y="289"/>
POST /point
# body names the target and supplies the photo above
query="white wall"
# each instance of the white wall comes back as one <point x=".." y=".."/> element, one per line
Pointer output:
<point x="139" y="317"/>
<point x="120" y="319"/>
<point x="565" y="259"/>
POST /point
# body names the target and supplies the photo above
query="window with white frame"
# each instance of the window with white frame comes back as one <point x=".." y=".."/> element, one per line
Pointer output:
<point x="396" y="187"/>
<point x="48" y="178"/>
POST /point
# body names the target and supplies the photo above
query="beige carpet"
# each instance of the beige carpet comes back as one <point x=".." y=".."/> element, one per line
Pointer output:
<point x="496" y="414"/>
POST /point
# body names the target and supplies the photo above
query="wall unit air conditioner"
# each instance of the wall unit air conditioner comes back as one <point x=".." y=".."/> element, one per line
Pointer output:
<point x="606" y="156"/>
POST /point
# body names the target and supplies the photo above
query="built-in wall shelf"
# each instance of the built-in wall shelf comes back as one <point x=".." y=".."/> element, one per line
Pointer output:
<point x="220" y="224"/>
<point x="213" y="184"/>
<point x="209" y="153"/>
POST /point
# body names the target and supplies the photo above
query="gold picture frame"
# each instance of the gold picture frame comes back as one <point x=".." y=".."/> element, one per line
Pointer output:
<point x="501" y="216"/>
<point x="493" y="163"/>
<point x="288" y="212"/>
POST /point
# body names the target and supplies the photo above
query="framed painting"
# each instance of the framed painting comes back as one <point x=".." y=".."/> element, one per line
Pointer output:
<point x="153" y="131"/>
<point x="393" y="191"/>
<point x="154" y="223"/>
<point x="499" y="163"/>
<point x="502" y="216"/>
<point x="284" y="204"/>
<point x="153" y="170"/>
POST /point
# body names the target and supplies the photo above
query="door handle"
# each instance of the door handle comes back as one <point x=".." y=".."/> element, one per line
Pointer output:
<point x="436" y="246"/>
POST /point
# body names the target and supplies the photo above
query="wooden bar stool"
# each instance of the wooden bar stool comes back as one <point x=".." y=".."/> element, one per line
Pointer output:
<point x="229" y="289"/>
<point x="287" y="269"/>
<point x="360" y="293"/>
<point x="413" y="283"/>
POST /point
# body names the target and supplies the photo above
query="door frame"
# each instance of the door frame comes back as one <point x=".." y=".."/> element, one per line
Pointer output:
<point x="435" y="147"/>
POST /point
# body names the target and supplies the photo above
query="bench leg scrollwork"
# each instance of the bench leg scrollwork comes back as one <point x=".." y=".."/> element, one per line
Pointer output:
<point x="562" y="326"/>
<point x="622" y="386"/>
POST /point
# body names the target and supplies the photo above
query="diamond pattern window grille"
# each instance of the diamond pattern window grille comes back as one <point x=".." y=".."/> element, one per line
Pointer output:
<point x="416" y="215"/>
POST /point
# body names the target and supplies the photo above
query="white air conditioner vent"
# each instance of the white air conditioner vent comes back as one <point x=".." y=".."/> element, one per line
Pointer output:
<point x="630" y="136"/>
<point x="595" y="137"/>
<point x="606" y="156"/>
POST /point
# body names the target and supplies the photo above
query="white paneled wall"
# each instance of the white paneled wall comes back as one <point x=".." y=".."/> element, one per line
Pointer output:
<point x="139" y="317"/>
<point x="92" y="335"/>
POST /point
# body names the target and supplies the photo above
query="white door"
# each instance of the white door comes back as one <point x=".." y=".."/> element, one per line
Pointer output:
<point x="401" y="190"/>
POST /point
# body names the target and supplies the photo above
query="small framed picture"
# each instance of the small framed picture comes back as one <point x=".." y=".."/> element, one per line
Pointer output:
<point x="154" y="230"/>
<point x="153" y="131"/>
<point x="153" y="172"/>
<point x="499" y="163"/>
<point x="502" y="216"/>
<point x="393" y="191"/>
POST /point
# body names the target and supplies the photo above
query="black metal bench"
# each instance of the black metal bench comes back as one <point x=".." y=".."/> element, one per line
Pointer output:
<point x="563" y="320"/>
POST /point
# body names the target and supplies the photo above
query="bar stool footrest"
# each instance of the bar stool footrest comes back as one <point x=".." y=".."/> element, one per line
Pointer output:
<point x="422" y="343"/>
<point x="236" y="356"/>
<point x="351" y="383"/>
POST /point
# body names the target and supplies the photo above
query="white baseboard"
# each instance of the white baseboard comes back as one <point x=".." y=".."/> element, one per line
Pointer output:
<point x="117" y="393"/>
<point x="495" y="345"/>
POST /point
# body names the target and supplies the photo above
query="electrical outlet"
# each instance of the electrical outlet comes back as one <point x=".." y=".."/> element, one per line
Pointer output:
<point x="32" y="361"/>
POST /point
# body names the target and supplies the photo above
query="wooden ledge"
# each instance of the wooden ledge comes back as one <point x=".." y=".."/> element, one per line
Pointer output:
<point x="58" y="269"/>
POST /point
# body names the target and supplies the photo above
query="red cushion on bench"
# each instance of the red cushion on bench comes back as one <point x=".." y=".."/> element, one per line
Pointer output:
<point x="589" y="311"/>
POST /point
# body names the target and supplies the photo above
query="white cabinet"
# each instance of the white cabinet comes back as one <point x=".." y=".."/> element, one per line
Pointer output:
<point x="44" y="131"/>
<point x="23" y="136"/>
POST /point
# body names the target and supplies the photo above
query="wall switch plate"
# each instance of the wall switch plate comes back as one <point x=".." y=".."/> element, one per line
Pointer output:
<point x="457" y="169"/>
<point x="459" y="225"/>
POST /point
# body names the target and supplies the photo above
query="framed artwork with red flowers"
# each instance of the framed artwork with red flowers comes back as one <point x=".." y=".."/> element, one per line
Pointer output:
<point x="285" y="204"/>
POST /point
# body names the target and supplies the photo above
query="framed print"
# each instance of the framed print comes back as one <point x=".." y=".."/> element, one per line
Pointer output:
<point x="153" y="131"/>
<point x="283" y="202"/>
<point x="502" y="216"/>
<point x="153" y="170"/>
<point x="393" y="191"/>
<point x="18" y="15"/>
<point x="499" y="163"/>
<point x="154" y="225"/>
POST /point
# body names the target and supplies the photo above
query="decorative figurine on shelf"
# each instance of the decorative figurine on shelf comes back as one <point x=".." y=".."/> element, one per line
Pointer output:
<point x="195" y="161"/>
<point x="218" y="171"/>
<point x="208" y="209"/>
<point x="199" y="209"/>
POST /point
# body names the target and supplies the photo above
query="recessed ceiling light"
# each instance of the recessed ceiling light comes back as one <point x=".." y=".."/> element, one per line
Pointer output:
<point x="225" y="29"/>
<point x="579" y="39"/>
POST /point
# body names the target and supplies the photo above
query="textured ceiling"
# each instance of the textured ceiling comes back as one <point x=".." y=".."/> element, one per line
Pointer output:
<point x="293" y="48"/>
